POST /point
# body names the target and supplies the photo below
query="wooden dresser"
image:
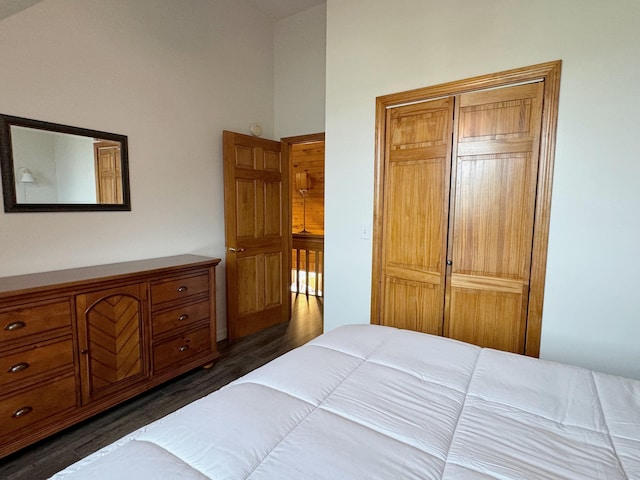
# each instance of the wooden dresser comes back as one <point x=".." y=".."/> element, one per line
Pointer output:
<point x="75" y="342"/>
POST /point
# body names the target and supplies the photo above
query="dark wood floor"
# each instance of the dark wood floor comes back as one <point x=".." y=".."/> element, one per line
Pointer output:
<point x="45" y="458"/>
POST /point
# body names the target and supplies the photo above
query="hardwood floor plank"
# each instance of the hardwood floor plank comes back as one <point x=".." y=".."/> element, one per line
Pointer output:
<point x="43" y="459"/>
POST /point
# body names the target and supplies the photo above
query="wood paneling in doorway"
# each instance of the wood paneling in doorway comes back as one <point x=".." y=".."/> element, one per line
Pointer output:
<point x="308" y="157"/>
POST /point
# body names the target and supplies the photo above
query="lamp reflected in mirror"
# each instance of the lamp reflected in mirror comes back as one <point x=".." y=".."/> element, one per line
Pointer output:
<point x="25" y="178"/>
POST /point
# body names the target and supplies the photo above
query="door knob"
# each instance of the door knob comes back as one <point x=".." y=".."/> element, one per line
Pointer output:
<point x="449" y="262"/>
<point x="236" y="250"/>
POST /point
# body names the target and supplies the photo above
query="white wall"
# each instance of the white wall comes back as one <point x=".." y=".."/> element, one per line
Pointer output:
<point x="592" y="305"/>
<point x="75" y="169"/>
<point x="34" y="151"/>
<point x="171" y="75"/>
<point x="299" y="63"/>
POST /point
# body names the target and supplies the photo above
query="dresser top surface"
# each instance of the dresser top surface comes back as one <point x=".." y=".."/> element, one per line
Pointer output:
<point x="10" y="286"/>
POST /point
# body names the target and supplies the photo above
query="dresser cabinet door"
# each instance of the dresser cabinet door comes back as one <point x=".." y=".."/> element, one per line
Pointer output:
<point x="112" y="333"/>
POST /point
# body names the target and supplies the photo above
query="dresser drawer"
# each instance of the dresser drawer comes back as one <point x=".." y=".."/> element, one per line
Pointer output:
<point x="178" y="288"/>
<point x="180" y="317"/>
<point x="19" y="322"/>
<point x="38" y="359"/>
<point x="31" y="406"/>
<point x="181" y="349"/>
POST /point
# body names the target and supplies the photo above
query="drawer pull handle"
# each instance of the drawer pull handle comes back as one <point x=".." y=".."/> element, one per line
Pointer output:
<point x="21" y="412"/>
<point x="183" y="348"/>
<point x="183" y="317"/>
<point x="18" y="367"/>
<point x="15" y="326"/>
<point x="182" y="289"/>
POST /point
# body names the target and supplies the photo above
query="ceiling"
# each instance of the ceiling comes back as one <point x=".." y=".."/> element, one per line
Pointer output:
<point x="278" y="9"/>
<point x="275" y="9"/>
<point x="9" y="7"/>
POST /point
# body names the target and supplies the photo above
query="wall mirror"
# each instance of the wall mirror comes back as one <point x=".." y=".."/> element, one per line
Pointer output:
<point x="48" y="167"/>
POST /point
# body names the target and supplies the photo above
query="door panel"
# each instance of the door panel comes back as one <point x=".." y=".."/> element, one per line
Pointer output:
<point x="480" y="315"/>
<point x="273" y="221"/>
<point x="256" y="219"/>
<point x="251" y="271"/>
<point x="244" y="157"/>
<point x="272" y="161"/>
<point x="108" y="172"/>
<point x="248" y="286"/>
<point x="417" y="167"/>
<point x="493" y="224"/>
<point x="413" y="305"/>
<point x="246" y="216"/>
<point x="493" y="204"/>
<point x="273" y="288"/>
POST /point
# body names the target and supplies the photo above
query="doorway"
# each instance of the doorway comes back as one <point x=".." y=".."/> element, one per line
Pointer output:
<point x="306" y="167"/>
<point x="258" y="233"/>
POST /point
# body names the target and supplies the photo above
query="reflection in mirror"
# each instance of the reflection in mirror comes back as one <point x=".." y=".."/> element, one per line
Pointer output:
<point x="50" y="167"/>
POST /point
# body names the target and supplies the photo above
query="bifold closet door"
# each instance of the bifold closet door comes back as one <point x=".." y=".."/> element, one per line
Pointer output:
<point x="459" y="202"/>
<point x="493" y="197"/>
<point x="461" y="207"/>
<point x="416" y="198"/>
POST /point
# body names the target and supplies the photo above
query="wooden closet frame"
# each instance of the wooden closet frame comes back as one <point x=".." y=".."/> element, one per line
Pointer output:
<point x="549" y="73"/>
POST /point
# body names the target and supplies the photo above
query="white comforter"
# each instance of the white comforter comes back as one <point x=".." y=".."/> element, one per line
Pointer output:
<point x="374" y="402"/>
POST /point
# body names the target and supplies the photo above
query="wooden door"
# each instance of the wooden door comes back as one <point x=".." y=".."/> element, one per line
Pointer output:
<point x="111" y="333"/>
<point x="416" y="186"/>
<point x="108" y="172"/>
<point x="460" y="242"/>
<point x="256" y="193"/>
<point x="497" y="139"/>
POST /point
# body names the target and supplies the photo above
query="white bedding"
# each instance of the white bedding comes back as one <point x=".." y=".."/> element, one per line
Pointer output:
<point x="374" y="402"/>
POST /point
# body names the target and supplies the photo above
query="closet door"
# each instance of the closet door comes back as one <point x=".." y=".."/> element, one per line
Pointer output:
<point x="416" y="198"/>
<point x="495" y="165"/>
<point x="461" y="208"/>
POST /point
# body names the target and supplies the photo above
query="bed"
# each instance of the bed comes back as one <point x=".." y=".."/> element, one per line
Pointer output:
<point x="373" y="402"/>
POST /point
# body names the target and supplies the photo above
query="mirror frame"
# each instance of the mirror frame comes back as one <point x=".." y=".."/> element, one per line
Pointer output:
<point x="11" y="205"/>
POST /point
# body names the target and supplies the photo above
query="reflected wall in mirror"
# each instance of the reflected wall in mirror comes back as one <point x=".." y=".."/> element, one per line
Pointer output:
<point x="47" y="167"/>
